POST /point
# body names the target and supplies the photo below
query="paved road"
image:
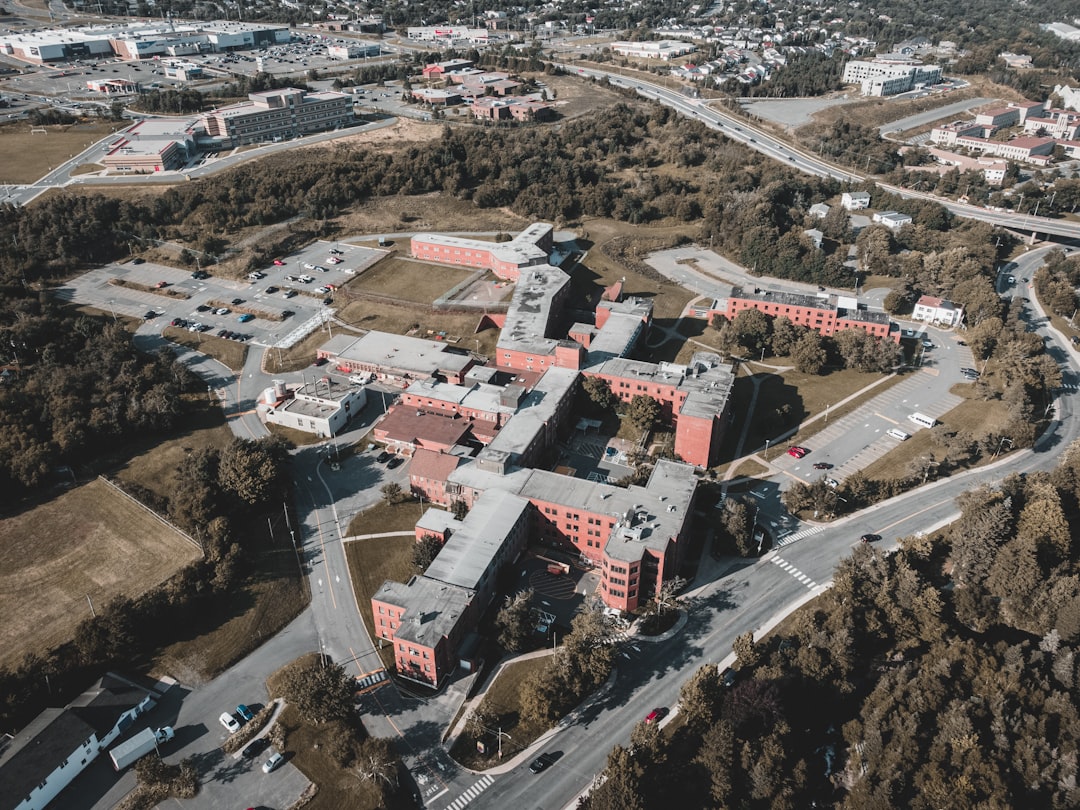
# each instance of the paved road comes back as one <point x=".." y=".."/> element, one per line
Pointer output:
<point x="928" y="117"/>
<point x="739" y="130"/>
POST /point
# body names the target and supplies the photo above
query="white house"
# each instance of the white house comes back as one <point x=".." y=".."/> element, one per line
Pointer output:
<point x="937" y="311"/>
<point x="855" y="200"/>
<point x="322" y="407"/>
<point x="815" y="236"/>
<point x="893" y="220"/>
<point x="819" y="210"/>
<point x="58" y="745"/>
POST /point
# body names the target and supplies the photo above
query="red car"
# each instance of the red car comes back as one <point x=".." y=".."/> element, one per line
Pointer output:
<point x="656" y="715"/>
<point x="797" y="451"/>
<point x="279" y="262"/>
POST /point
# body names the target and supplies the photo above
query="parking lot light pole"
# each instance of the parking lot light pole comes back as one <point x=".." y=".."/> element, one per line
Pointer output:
<point x="766" y="449"/>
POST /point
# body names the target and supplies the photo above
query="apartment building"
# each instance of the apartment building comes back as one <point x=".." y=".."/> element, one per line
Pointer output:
<point x="506" y="260"/>
<point x="825" y="314"/>
<point x="889" y="75"/>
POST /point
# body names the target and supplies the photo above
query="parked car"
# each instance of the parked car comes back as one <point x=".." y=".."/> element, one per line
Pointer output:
<point x="202" y="308"/>
<point x="137" y="260"/>
<point x="279" y="262"/>
<point x="290" y="293"/>
<point x="244" y="713"/>
<point x="246" y="317"/>
<point x="822" y="465"/>
<point x="869" y="538"/>
<point x="237" y="301"/>
<point x="272" y="763"/>
<point x="229" y="722"/>
<point x="161" y="285"/>
<point x="256" y="747"/>
<point x="149" y="314"/>
<point x="200" y="275"/>
<point x="271" y="290"/>
<point x="320" y="361"/>
<point x="384" y="457"/>
<point x="796" y="451"/>
<point x="656" y="715"/>
<point x="395" y="462"/>
<point x="222" y="311"/>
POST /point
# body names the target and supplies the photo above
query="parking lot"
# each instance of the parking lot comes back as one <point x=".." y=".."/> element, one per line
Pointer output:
<point x="225" y="304"/>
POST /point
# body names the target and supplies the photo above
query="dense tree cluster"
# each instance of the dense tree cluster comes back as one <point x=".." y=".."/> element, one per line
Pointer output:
<point x="176" y="102"/>
<point x="79" y="388"/>
<point x="807" y="74"/>
<point x="942" y="675"/>
<point x="1056" y="283"/>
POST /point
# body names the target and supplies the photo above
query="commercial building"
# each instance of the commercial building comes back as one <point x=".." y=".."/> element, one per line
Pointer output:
<point x="59" y="744"/>
<point x="1026" y="149"/>
<point x="353" y="50"/>
<point x="275" y="115"/>
<point x="529" y="248"/>
<point x="665" y="49"/>
<point x="323" y="407"/>
<point x="946" y="134"/>
<point x="889" y="75"/>
<point x="448" y="33"/>
<point x="515" y="108"/>
<point x="140" y="40"/>
<point x="826" y="314"/>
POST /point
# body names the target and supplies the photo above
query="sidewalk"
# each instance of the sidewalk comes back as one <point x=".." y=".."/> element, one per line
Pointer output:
<point x="375" y="536"/>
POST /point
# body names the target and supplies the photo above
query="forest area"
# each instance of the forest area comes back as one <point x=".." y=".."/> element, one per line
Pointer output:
<point x="942" y="675"/>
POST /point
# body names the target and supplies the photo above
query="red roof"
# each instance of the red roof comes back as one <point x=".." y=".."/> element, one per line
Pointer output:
<point x="929" y="301"/>
<point x="410" y="426"/>
<point x="432" y="465"/>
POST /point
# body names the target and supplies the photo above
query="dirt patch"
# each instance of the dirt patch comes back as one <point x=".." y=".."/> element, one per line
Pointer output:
<point x="90" y="543"/>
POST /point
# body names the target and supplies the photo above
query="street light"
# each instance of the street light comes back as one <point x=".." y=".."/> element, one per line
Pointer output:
<point x="766" y="449"/>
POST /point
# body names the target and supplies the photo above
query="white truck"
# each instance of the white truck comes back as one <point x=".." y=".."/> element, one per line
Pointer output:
<point x="139" y="746"/>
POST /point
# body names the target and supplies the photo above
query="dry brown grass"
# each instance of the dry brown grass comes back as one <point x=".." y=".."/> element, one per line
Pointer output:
<point x="373" y="562"/>
<point x="600" y="269"/>
<point x="89" y="542"/>
<point x="302" y="354"/>
<point x="398" y="277"/>
<point x="229" y="352"/>
<point x="399" y="319"/>
<point x="26" y="158"/>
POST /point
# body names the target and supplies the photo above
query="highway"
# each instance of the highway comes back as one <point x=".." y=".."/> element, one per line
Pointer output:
<point x="738" y="129"/>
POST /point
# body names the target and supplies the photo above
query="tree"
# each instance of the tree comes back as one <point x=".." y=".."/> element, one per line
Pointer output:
<point x="253" y="471"/>
<point x="319" y="689"/>
<point x="424" y="552"/>
<point x="746" y="656"/>
<point x="377" y="762"/>
<point x="753" y="329"/>
<point x="737" y="522"/>
<point x="809" y="353"/>
<point x="643" y="412"/>
<point x="599" y="393"/>
<point x="621" y="788"/>
<point x="392" y="493"/>
<point x="514" y="623"/>
<point x="700" y="698"/>
<point x="784" y="337"/>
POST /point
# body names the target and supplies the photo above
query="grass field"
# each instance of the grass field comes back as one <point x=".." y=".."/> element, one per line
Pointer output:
<point x="26" y="158"/>
<point x="412" y="281"/>
<point x="503" y="699"/>
<point x="89" y="542"/>
<point x="400" y="319"/>
<point x="371" y="563"/>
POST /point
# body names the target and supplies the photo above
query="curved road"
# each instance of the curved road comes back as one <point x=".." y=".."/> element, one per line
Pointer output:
<point x="739" y="129"/>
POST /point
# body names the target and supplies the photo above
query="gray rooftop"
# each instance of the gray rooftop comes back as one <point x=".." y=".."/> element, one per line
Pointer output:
<point x="646" y="517"/>
<point x="417" y="356"/>
<point x="530" y="314"/>
<point x="432" y="608"/>
<point x="470" y="552"/>
<point x="522" y="250"/>
<point x="786" y="298"/>
<point x="622" y="328"/>
<point x="479" y="396"/>
<point x="536" y="410"/>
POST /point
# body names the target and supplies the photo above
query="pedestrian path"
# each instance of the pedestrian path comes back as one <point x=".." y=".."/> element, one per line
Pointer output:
<point x="364" y="682"/>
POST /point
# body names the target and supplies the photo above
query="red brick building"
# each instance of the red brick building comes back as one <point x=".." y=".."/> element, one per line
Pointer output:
<point x="825" y="314"/>
<point x="505" y="259"/>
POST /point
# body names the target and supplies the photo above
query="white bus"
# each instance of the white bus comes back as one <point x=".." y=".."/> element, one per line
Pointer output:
<point x="922" y="420"/>
<point x="898" y="434"/>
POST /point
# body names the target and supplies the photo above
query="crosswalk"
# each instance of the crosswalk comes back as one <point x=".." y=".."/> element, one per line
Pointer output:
<point x="365" y="682"/>
<point x="795" y="572"/>
<point x="590" y="449"/>
<point x="799" y="535"/>
<point x="478" y="787"/>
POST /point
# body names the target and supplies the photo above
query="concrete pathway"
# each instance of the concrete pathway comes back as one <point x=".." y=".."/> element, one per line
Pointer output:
<point x="375" y="536"/>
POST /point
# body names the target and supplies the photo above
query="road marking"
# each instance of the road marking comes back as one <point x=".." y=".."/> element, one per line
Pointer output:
<point x="886" y="418"/>
<point x="799" y="535"/>
<point x="798" y="575"/>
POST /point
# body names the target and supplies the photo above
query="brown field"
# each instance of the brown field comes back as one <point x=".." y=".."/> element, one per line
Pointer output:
<point x="89" y="542"/>
<point x="371" y="563"/>
<point x="26" y="158"/>
<point x="400" y="319"/>
<point x="403" y="278"/>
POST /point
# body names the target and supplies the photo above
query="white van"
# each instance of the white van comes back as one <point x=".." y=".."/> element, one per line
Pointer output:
<point x="922" y="420"/>
<point x="361" y="379"/>
<point x="898" y="434"/>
